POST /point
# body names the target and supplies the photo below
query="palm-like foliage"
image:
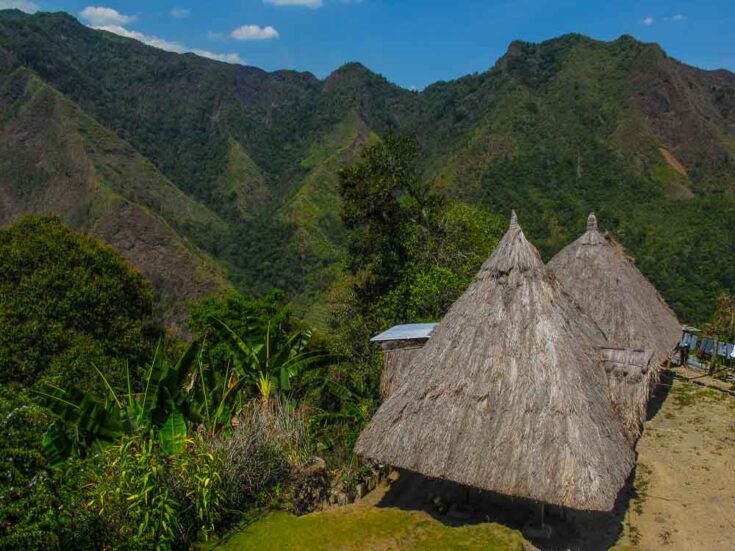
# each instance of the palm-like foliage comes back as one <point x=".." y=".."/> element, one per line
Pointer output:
<point x="87" y="421"/>
<point x="215" y="395"/>
<point x="194" y="390"/>
<point x="272" y="360"/>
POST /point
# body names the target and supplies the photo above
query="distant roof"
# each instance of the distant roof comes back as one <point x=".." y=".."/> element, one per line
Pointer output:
<point x="690" y="329"/>
<point x="406" y="332"/>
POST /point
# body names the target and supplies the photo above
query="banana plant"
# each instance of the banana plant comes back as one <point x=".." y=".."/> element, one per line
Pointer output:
<point x="85" y="421"/>
<point x="215" y="395"/>
<point x="272" y="361"/>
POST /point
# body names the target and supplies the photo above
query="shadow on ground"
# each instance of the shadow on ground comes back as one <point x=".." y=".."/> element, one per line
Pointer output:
<point x="456" y="505"/>
<point x="663" y="387"/>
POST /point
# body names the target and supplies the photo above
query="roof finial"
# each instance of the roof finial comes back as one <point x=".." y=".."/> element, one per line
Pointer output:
<point x="513" y="220"/>
<point x="592" y="222"/>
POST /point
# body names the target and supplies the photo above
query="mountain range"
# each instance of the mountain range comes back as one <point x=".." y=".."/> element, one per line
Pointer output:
<point x="210" y="176"/>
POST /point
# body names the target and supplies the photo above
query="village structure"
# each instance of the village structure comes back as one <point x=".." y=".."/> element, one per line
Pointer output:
<point x="535" y="383"/>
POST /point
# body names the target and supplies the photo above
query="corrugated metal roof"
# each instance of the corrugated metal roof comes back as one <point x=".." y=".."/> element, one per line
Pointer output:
<point x="406" y="332"/>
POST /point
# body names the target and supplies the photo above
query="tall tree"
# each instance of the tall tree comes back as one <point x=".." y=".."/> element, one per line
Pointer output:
<point x="410" y="250"/>
<point x="722" y="324"/>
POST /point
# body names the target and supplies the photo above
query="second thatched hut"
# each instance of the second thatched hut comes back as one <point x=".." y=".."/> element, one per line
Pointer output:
<point x="509" y="394"/>
<point x="595" y="270"/>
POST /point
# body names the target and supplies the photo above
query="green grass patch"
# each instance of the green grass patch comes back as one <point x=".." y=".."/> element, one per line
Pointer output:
<point x="374" y="528"/>
<point x="687" y="394"/>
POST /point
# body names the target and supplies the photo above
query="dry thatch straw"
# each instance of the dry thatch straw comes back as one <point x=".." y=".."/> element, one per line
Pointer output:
<point x="596" y="271"/>
<point x="400" y="344"/>
<point x="509" y="394"/>
<point x="628" y="375"/>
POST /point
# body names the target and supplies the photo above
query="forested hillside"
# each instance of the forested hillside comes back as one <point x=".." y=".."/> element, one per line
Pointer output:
<point x="204" y="174"/>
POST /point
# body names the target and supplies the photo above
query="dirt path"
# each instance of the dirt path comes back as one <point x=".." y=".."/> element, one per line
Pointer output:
<point x="685" y="478"/>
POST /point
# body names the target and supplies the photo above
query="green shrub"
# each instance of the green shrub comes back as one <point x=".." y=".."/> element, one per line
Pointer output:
<point x="196" y="479"/>
<point x="147" y="499"/>
<point x="131" y="495"/>
<point x="67" y="301"/>
<point x="25" y="515"/>
<point x="39" y="508"/>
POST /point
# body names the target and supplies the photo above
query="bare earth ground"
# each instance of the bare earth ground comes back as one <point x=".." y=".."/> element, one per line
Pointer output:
<point x="682" y="498"/>
<point x="685" y="478"/>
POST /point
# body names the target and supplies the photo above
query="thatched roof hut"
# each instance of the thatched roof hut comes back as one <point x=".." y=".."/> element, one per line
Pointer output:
<point x="599" y="275"/>
<point x="509" y="394"/>
<point x="400" y="345"/>
<point x="596" y="271"/>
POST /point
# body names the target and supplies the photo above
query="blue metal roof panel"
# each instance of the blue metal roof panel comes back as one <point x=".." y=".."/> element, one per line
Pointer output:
<point x="406" y="332"/>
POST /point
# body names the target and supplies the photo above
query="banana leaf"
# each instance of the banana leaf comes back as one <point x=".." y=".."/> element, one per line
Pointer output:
<point x="173" y="434"/>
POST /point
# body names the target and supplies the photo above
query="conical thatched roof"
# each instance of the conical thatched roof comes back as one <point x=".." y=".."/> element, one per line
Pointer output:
<point x="509" y="394"/>
<point x="625" y="305"/>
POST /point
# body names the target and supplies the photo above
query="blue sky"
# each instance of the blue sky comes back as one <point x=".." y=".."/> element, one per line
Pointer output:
<point x="412" y="42"/>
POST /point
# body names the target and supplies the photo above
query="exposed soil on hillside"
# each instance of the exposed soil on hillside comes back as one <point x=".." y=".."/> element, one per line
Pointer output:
<point x="673" y="161"/>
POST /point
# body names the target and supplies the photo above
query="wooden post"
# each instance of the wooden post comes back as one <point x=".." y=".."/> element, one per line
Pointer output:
<point x="543" y="510"/>
<point x="715" y="344"/>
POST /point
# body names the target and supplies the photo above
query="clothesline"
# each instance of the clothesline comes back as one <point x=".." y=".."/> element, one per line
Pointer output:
<point x="705" y="345"/>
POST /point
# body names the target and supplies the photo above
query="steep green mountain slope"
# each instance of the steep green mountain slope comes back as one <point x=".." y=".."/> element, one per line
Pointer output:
<point x="574" y="124"/>
<point x="313" y="210"/>
<point x="56" y="159"/>
<point x="553" y="129"/>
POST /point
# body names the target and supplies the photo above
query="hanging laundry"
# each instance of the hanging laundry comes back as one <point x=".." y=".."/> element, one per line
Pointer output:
<point x="722" y="349"/>
<point x="692" y="342"/>
<point x="706" y="345"/>
<point x="684" y="340"/>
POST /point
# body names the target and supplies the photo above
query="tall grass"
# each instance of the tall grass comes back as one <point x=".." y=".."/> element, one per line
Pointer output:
<point x="268" y="441"/>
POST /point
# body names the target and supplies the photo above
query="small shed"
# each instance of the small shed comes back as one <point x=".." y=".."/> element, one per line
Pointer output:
<point x="400" y="344"/>
<point x="689" y="336"/>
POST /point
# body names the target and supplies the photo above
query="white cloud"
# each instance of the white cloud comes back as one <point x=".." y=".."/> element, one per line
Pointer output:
<point x="307" y="3"/>
<point x="677" y="17"/>
<point x="98" y="15"/>
<point x="226" y="58"/>
<point x="150" y="40"/>
<point x="647" y="20"/>
<point x="254" y="32"/>
<point x="180" y="13"/>
<point x="168" y="45"/>
<point x="22" y="5"/>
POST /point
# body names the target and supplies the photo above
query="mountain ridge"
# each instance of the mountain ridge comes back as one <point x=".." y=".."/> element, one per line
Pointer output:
<point x="96" y="195"/>
<point x="553" y="129"/>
